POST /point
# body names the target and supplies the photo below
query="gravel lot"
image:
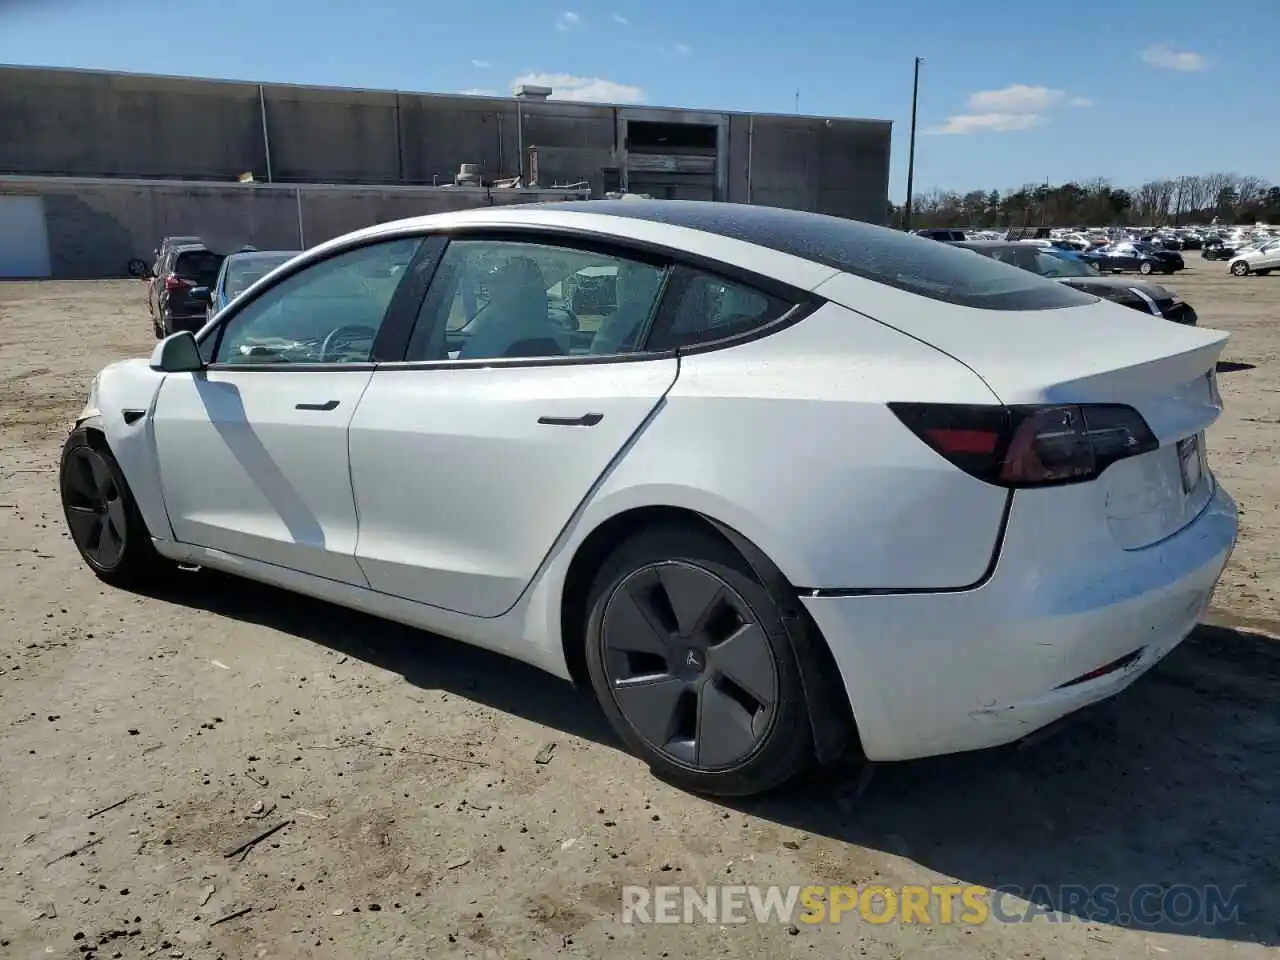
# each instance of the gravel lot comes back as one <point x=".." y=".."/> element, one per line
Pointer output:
<point x="418" y="820"/>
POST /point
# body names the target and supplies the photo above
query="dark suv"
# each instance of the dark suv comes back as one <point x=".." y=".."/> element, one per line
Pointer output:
<point x="179" y="269"/>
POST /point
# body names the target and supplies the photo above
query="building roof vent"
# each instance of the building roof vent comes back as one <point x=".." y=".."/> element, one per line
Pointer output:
<point x="529" y="91"/>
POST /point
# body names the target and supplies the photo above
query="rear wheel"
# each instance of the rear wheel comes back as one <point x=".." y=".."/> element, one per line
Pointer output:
<point x="102" y="516"/>
<point x="1145" y="267"/>
<point x="1240" y="268"/>
<point x="690" y="659"/>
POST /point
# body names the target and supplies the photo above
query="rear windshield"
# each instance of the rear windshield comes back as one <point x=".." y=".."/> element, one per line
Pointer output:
<point x="918" y="265"/>
<point x="243" y="272"/>
<point x="201" y="266"/>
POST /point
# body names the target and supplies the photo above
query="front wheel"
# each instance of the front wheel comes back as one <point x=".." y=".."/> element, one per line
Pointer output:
<point x="1240" y="269"/>
<point x="102" y="516"/>
<point x="690" y="659"/>
<point x="1145" y="267"/>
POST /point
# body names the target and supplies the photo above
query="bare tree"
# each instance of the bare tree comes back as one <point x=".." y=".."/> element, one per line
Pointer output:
<point x="1250" y="190"/>
<point x="1195" y="195"/>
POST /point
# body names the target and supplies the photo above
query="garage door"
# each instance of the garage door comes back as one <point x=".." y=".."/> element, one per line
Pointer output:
<point x="24" y="238"/>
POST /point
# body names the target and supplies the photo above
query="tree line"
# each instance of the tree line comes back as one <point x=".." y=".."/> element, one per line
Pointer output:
<point x="1182" y="201"/>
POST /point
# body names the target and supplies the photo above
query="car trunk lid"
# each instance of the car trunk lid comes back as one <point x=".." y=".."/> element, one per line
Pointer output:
<point x="1100" y="353"/>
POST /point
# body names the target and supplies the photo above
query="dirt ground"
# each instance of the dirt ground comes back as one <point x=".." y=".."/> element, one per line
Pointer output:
<point x="418" y="820"/>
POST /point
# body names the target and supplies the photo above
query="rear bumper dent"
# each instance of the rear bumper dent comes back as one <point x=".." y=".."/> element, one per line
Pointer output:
<point x="939" y="673"/>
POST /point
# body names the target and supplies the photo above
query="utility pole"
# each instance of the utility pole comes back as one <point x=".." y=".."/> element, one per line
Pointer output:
<point x="911" y="151"/>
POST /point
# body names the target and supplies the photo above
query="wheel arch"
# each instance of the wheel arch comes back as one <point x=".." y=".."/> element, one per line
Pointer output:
<point x="118" y="414"/>
<point x="831" y="715"/>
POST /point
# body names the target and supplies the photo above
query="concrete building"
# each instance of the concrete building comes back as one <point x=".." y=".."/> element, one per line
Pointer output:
<point x="105" y="164"/>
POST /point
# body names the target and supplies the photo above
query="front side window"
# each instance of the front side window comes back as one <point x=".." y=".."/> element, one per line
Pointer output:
<point x="328" y="312"/>
<point x="495" y="299"/>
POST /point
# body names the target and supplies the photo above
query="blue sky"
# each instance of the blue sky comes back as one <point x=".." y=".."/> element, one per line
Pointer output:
<point x="1011" y="92"/>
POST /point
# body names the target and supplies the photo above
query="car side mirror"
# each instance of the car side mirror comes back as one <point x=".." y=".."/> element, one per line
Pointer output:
<point x="178" y="353"/>
<point x="201" y="294"/>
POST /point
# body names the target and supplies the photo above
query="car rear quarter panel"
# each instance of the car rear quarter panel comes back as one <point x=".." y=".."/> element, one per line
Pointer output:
<point x="788" y="440"/>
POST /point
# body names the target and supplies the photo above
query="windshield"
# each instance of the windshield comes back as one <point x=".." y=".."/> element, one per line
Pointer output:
<point x="243" y="272"/>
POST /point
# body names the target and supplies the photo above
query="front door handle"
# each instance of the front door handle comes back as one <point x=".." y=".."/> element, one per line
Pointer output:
<point x="586" y="420"/>
<point x="327" y="405"/>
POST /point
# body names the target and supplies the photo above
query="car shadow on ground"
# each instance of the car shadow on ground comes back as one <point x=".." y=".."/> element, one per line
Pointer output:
<point x="1234" y="366"/>
<point x="1123" y="816"/>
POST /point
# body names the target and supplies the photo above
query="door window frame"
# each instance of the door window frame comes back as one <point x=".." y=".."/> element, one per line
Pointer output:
<point x="397" y="321"/>
<point x="678" y="264"/>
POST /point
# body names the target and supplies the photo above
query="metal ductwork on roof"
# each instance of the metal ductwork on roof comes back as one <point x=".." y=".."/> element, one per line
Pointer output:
<point x="529" y="91"/>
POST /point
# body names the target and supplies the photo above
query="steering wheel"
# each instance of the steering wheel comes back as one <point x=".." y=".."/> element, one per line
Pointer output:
<point x="350" y="331"/>
<point x="568" y="319"/>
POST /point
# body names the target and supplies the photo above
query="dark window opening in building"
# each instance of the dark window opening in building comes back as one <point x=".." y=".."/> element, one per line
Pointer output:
<point x="645" y="135"/>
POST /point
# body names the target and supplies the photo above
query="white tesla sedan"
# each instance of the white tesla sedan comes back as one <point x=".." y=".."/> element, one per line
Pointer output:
<point x="776" y="486"/>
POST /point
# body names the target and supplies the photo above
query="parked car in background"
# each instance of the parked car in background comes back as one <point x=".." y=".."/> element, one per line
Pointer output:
<point x="1134" y="256"/>
<point x="180" y="271"/>
<point x="939" y="233"/>
<point x="1215" y="248"/>
<point x="1030" y="523"/>
<point x="238" y="272"/>
<point x="160" y="254"/>
<point x="1072" y="268"/>
<point x="1260" y="259"/>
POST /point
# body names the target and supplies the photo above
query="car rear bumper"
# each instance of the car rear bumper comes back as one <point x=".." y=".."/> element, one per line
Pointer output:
<point x="936" y="673"/>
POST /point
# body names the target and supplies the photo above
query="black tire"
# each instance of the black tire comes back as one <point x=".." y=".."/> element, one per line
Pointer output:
<point x="103" y="517"/>
<point x="763" y="738"/>
<point x="1240" y="269"/>
<point x="1145" y="267"/>
<point x="137" y="269"/>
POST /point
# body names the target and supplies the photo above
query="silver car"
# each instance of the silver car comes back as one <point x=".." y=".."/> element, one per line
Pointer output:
<point x="1260" y="259"/>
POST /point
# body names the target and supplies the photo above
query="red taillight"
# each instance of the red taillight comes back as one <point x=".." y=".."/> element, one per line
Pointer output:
<point x="1029" y="446"/>
<point x="174" y="282"/>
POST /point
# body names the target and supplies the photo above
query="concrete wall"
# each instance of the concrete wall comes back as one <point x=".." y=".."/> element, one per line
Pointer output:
<point x="80" y="124"/>
<point x="839" y="167"/>
<point x="95" y="226"/>
<point x="87" y="124"/>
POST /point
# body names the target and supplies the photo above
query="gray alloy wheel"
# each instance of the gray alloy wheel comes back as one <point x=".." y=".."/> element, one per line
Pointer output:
<point x="1145" y="267"/>
<point x="102" y="517"/>
<point x="1240" y="268"/>
<point x="95" y="509"/>
<point x="689" y="666"/>
<point x="695" y="661"/>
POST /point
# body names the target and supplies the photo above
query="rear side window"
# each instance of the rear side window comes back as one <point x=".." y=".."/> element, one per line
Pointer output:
<point x="701" y="308"/>
<point x="201" y="266"/>
<point x="918" y="265"/>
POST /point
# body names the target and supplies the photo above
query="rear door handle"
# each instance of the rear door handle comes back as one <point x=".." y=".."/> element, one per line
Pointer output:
<point x="586" y="420"/>
<point x="327" y="405"/>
